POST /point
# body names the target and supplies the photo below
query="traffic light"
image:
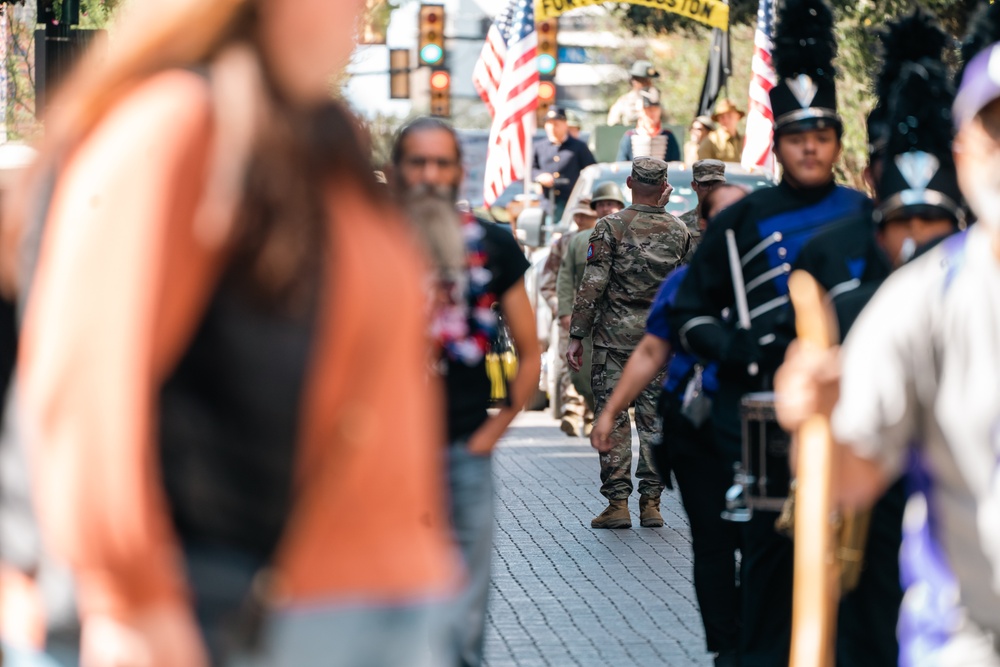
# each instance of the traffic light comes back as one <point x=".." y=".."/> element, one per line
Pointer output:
<point x="546" y="97"/>
<point x="399" y="74"/>
<point x="430" y="45"/>
<point x="548" y="48"/>
<point x="440" y="93"/>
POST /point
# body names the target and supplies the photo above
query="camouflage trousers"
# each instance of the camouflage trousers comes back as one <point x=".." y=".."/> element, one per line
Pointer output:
<point x="574" y="386"/>
<point x="616" y="465"/>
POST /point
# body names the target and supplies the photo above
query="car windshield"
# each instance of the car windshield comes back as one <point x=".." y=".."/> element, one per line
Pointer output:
<point x="682" y="199"/>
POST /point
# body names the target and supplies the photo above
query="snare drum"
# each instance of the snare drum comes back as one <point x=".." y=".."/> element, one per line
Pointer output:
<point x="765" y="453"/>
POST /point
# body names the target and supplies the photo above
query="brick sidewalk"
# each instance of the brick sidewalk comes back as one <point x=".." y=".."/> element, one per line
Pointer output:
<point x="564" y="594"/>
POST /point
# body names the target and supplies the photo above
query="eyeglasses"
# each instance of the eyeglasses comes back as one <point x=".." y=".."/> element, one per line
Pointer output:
<point x="421" y="162"/>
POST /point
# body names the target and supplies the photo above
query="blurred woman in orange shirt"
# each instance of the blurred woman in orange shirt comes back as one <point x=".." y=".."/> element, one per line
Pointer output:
<point x="223" y="315"/>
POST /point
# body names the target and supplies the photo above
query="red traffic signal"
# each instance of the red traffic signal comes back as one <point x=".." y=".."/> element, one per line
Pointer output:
<point x="546" y="91"/>
<point x="440" y="93"/>
<point x="440" y="80"/>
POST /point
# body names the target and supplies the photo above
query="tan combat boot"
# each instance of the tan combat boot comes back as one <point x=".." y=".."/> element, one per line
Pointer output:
<point x="615" y="515"/>
<point x="649" y="512"/>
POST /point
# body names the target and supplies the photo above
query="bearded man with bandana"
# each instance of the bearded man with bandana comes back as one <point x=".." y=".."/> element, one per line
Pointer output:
<point x="476" y="266"/>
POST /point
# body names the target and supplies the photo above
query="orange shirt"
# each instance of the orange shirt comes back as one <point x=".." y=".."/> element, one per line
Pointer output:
<point x="123" y="279"/>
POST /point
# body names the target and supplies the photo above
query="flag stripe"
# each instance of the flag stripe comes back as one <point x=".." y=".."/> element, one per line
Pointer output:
<point x="506" y="77"/>
<point x="760" y="117"/>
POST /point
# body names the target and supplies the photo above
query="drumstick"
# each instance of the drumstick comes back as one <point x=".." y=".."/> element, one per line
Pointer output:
<point x="816" y="579"/>
<point x="739" y="289"/>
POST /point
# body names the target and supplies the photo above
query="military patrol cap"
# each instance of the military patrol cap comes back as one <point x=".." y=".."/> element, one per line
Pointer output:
<point x="706" y="171"/>
<point x="607" y="191"/>
<point x="643" y="69"/>
<point x="649" y="170"/>
<point x="556" y="113"/>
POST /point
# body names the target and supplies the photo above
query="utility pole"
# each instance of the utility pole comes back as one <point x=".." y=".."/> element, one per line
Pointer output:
<point x="59" y="44"/>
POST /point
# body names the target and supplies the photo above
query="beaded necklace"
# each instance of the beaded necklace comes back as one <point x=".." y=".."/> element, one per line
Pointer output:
<point x="466" y="325"/>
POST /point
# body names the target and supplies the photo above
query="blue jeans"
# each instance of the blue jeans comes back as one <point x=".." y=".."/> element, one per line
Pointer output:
<point x="358" y="635"/>
<point x="470" y="482"/>
<point x="335" y="633"/>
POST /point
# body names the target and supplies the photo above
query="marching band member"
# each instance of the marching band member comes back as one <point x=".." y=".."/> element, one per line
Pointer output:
<point x="770" y="228"/>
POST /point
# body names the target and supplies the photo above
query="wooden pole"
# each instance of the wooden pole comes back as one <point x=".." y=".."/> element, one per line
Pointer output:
<point x="816" y="584"/>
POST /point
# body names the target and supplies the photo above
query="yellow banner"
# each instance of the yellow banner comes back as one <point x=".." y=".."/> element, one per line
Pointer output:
<point x="714" y="13"/>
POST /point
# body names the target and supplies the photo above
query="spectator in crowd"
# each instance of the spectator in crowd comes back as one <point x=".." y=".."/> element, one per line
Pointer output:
<point x="207" y="392"/>
<point x="649" y="138"/>
<point x="484" y="271"/>
<point x="625" y="110"/>
<point x="574" y="124"/>
<point x="724" y="142"/>
<point x="699" y="129"/>
<point x="706" y="175"/>
<point x="558" y="160"/>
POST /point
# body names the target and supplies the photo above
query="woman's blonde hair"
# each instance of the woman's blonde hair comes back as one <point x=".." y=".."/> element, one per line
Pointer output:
<point x="294" y="153"/>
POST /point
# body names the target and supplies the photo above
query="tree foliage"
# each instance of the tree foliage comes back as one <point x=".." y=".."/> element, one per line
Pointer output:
<point x="856" y="29"/>
<point x="19" y="114"/>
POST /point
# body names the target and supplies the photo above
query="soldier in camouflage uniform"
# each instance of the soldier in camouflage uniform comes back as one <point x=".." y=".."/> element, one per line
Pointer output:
<point x="630" y="254"/>
<point x="578" y="416"/>
<point x="706" y="176"/>
<point x="570" y="403"/>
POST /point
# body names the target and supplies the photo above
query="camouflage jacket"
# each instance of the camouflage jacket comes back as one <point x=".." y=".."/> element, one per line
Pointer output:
<point x="690" y="220"/>
<point x="574" y="262"/>
<point x="550" y="272"/>
<point x="629" y="255"/>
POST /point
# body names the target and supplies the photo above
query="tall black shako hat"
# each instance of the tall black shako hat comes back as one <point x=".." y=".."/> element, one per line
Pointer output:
<point x="918" y="173"/>
<point x="910" y="39"/>
<point x="805" y="97"/>
<point x="978" y="80"/>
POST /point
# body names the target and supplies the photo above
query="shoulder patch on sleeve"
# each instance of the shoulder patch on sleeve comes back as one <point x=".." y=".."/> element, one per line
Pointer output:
<point x="590" y="252"/>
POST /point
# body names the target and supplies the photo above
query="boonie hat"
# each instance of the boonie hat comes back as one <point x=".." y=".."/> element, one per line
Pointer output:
<point x="724" y="106"/>
<point x="584" y="207"/>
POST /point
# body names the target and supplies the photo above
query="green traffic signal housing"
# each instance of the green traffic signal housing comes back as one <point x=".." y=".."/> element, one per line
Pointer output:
<point x="430" y="44"/>
<point x="548" y="48"/>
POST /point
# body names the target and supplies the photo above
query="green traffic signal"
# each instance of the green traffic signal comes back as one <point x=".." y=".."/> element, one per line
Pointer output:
<point x="546" y="64"/>
<point x="431" y="54"/>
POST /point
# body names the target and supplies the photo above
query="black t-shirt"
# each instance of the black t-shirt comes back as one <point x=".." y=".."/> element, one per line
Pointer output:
<point x="468" y="387"/>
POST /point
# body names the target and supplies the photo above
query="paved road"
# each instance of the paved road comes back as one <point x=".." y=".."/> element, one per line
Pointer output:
<point x="564" y="594"/>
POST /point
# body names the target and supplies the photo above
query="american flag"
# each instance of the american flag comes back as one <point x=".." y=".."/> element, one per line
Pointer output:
<point x="506" y="77"/>
<point x="760" y="118"/>
<point x="4" y="9"/>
